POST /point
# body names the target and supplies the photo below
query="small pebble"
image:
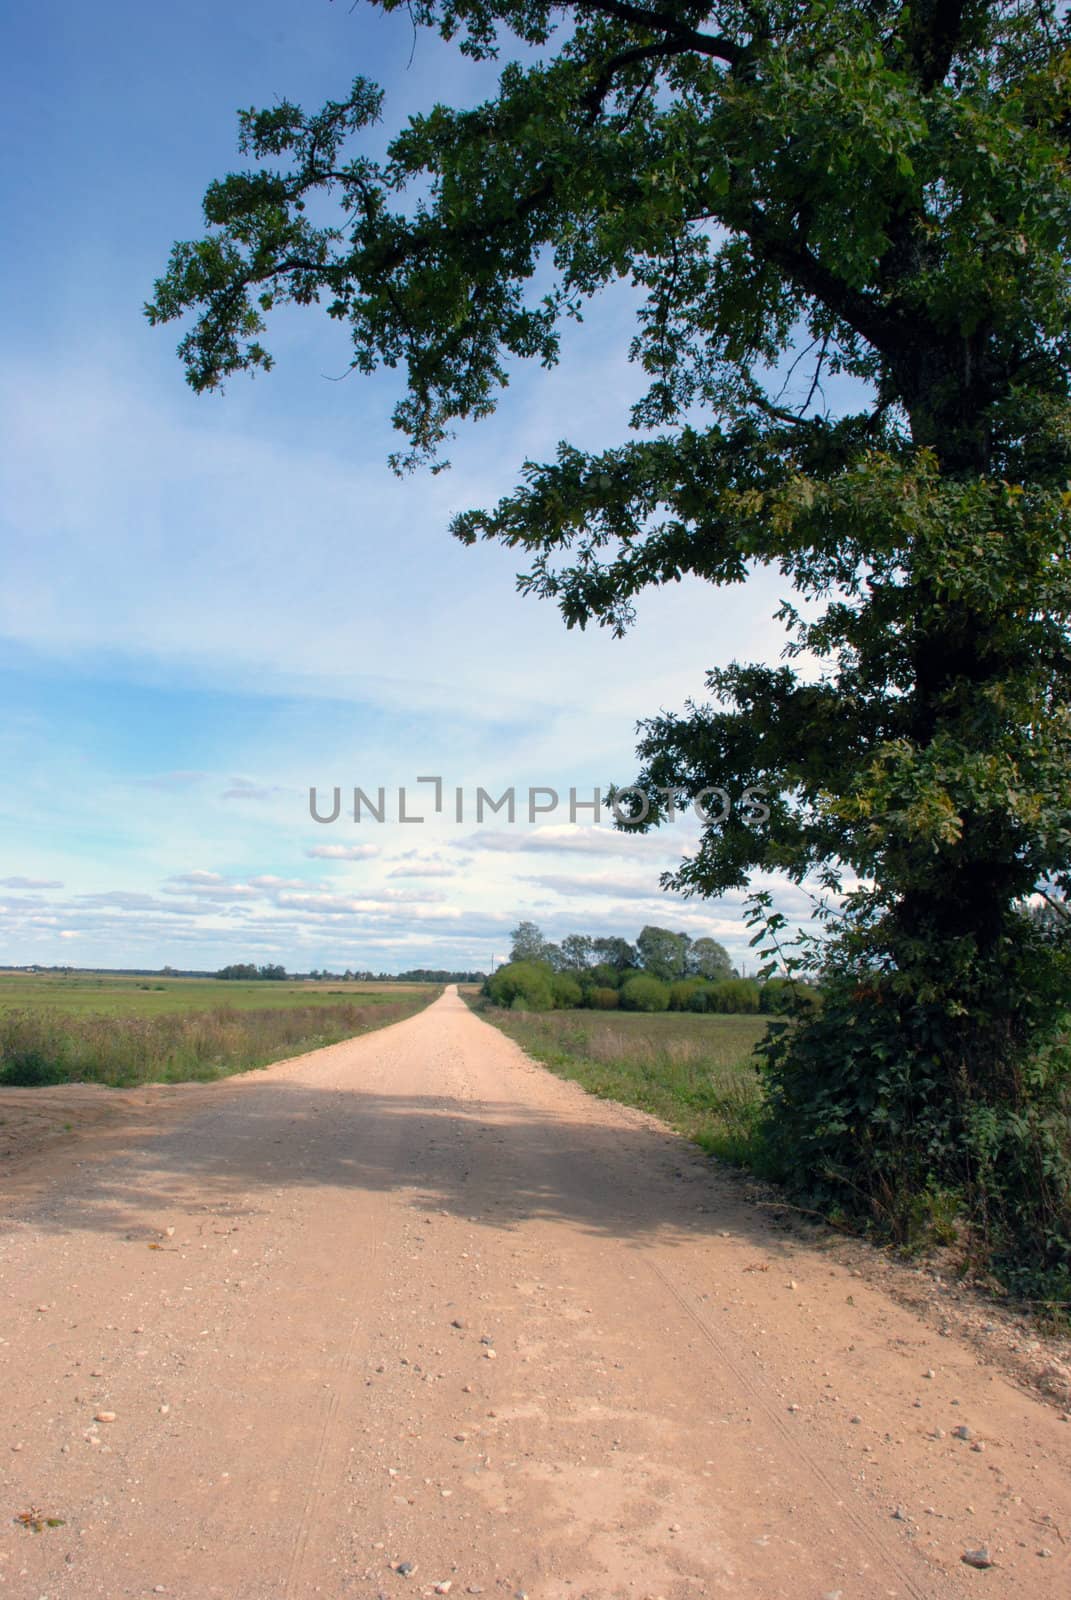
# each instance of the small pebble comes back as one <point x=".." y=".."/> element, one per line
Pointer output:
<point x="404" y="1569"/>
<point x="490" y="1355"/>
<point x="856" y="1418"/>
<point x="962" y="1432"/>
<point x="104" y="1416"/>
<point x="1044" y="1552"/>
<point x="977" y="1558"/>
<point x="929" y="1373"/>
<point x="444" y="1587"/>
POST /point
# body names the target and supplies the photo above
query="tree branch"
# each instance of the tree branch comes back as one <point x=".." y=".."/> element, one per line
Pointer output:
<point x="715" y="45"/>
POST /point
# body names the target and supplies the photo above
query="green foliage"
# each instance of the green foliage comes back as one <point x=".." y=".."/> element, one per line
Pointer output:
<point x="683" y="993"/>
<point x="663" y="954"/>
<point x="904" y="1085"/>
<point x="644" y="993"/>
<point x="246" y="972"/>
<point x="527" y="943"/>
<point x="786" y="997"/>
<point x="566" y="990"/>
<point x="707" y="958"/>
<point x="529" y="982"/>
<point x="733" y="995"/>
<point x="604" y="999"/>
<point x="882" y="192"/>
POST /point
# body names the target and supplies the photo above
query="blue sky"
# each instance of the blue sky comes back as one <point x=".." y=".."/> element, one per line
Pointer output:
<point x="209" y="605"/>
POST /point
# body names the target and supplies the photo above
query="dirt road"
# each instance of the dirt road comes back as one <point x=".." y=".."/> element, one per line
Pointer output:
<point x="414" y="1300"/>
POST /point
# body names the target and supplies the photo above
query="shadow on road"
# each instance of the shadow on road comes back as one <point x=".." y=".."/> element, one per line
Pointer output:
<point x="498" y="1163"/>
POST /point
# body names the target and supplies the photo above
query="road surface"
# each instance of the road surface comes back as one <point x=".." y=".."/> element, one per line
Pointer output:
<point x="412" y="1300"/>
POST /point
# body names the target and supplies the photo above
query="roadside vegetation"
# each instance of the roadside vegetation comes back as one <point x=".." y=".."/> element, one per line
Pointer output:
<point x="699" y="1074"/>
<point x="662" y="971"/>
<point x="120" y="1035"/>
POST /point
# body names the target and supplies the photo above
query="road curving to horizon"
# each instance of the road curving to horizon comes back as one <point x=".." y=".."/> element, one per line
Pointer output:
<point x="413" y="1301"/>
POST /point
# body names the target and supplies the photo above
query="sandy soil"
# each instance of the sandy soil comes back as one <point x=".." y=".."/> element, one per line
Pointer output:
<point x="411" y="1301"/>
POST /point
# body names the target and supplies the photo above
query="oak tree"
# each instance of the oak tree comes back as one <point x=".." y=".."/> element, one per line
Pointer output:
<point x="877" y="194"/>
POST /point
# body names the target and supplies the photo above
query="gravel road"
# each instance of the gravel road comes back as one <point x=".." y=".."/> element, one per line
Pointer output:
<point x="411" y="1302"/>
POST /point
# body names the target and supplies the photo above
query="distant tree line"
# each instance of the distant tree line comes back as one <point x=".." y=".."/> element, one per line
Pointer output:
<point x="662" y="971"/>
<point x="246" y="972"/>
<point x="414" y="975"/>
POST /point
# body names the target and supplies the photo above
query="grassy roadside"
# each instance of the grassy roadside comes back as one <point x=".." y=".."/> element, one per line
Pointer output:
<point x="696" y="1073"/>
<point x="50" y="1046"/>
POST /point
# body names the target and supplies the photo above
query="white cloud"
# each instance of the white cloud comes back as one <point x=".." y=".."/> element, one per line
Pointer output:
<point x="582" y="888"/>
<point x="30" y="883"/>
<point x="343" y="852"/>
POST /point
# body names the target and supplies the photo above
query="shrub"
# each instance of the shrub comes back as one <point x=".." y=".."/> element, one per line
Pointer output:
<point x="528" y="981"/>
<point x="642" y="993"/>
<point x="683" y="992"/>
<point x="783" y="997"/>
<point x="566" y="991"/>
<point x="735" y="995"/>
<point x="604" y="999"/>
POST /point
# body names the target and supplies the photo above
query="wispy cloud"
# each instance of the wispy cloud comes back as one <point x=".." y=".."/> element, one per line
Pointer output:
<point x="343" y="852"/>
<point x="567" y="839"/>
<point x="582" y="888"/>
<point x="30" y="883"/>
<point x="246" y="789"/>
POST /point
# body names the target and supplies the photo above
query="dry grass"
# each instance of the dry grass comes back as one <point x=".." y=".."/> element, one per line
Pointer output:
<point x="47" y="1046"/>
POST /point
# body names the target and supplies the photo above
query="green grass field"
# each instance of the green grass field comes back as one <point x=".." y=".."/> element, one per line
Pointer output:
<point x="697" y="1073"/>
<point x="122" y="1031"/>
<point x="85" y="993"/>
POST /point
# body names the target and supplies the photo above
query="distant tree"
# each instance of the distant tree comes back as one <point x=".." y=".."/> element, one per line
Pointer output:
<point x="246" y="972"/>
<point x="578" y="951"/>
<point x="709" y="959"/>
<point x="663" y="954"/>
<point x="614" y="952"/>
<point x="527" y="943"/>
